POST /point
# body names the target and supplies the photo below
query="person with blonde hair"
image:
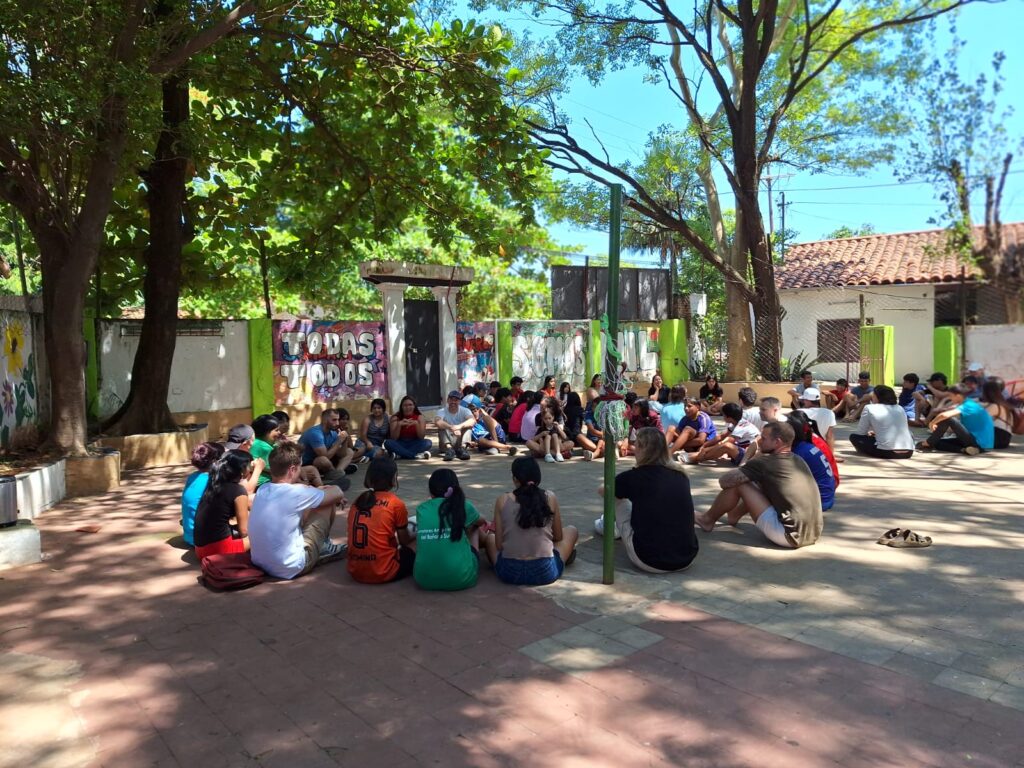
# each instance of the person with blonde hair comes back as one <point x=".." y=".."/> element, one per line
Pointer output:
<point x="654" y="508"/>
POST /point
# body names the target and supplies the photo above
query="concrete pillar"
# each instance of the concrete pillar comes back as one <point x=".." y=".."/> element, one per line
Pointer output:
<point x="393" y="297"/>
<point x="446" y="302"/>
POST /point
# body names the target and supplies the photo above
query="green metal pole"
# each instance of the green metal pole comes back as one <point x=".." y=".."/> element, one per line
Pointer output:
<point x="612" y="308"/>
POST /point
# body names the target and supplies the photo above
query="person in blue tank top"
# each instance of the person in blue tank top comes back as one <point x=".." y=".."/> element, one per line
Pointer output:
<point x="195" y="485"/>
<point x="972" y="426"/>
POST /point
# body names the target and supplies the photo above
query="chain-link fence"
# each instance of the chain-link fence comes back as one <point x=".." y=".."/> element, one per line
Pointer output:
<point x="820" y="330"/>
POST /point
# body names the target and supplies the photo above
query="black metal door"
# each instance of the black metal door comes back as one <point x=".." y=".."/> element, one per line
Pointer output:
<point x="422" y="352"/>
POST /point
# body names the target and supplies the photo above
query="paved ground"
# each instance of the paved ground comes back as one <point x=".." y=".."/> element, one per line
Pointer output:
<point x="841" y="654"/>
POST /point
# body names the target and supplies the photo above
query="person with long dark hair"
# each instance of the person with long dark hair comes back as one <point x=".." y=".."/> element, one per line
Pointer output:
<point x="815" y="459"/>
<point x="381" y="549"/>
<point x="203" y="457"/>
<point x="563" y="393"/>
<point x="225" y="498"/>
<point x="515" y="421"/>
<point x="528" y="426"/>
<point x="408" y="432"/>
<point x="574" y="423"/>
<point x="658" y="392"/>
<point x="529" y="545"/>
<point x="374" y="430"/>
<point x="447" y="536"/>
<point x="548" y="387"/>
<point x="999" y="408"/>
<point x="711" y="395"/>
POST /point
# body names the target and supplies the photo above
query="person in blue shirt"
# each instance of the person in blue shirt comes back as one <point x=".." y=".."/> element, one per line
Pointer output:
<point x="911" y="385"/>
<point x="203" y="457"/>
<point x="972" y="426"/>
<point x="674" y="412"/>
<point x="694" y="429"/>
<point x="815" y="460"/>
<point x="325" y="446"/>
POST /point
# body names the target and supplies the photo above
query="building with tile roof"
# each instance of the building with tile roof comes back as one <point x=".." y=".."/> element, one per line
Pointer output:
<point x="908" y="280"/>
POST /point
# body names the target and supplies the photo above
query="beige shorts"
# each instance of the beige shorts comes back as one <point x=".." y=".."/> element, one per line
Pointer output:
<point x="313" y="537"/>
<point x="770" y="525"/>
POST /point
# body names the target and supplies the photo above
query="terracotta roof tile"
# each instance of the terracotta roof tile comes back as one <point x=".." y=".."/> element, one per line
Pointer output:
<point x="906" y="257"/>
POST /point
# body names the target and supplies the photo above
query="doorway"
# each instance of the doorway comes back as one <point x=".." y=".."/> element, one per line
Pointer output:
<point x="422" y="352"/>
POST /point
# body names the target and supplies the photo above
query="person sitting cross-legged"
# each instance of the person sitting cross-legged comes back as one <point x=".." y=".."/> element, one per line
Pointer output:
<point x="694" y="429"/>
<point x="224" y="499"/>
<point x="862" y="394"/>
<point x="407" y="430"/>
<point x="654" y="509"/>
<point x="883" y="431"/>
<point x="325" y="447"/>
<point x="548" y="441"/>
<point x="486" y="433"/>
<point x="454" y="423"/>
<point x="381" y="548"/>
<point x="999" y="408"/>
<point x="972" y="426"/>
<point x="810" y="403"/>
<point x="290" y="523"/>
<point x="593" y="447"/>
<point x="775" y="488"/>
<point x="806" y="382"/>
<point x="814" y="457"/>
<point x="732" y="444"/>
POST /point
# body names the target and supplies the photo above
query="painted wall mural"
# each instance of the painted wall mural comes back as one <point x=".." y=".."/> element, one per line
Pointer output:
<point x="475" y="346"/>
<point x="18" y="390"/>
<point x="550" y="348"/>
<point x="318" y="361"/>
<point x="640" y="350"/>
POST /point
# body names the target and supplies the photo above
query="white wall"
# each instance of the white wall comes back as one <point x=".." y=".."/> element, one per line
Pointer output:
<point x="910" y="309"/>
<point x="999" y="348"/>
<point x="209" y="373"/>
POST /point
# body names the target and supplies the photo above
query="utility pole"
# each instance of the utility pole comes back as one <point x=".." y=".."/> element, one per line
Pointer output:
<point x="782" y="255"/>
<point x="614" y="242"/>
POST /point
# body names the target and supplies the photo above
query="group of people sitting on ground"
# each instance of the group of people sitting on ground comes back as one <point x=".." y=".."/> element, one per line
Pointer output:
<point x="262" y="492"/>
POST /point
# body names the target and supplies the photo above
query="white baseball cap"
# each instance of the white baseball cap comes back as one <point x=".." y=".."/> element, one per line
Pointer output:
<point x="973" y="367"/>
<point x="811" y="393"/>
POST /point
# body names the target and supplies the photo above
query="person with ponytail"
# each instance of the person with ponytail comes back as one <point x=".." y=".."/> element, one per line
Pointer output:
<point x="380" y="547"/>
<point x="203" y="457"/>
<point x="529" y="546"/>
<point x="225" y="498"/>
<point x="447" y="536"/>
<point x="804" y="447"/>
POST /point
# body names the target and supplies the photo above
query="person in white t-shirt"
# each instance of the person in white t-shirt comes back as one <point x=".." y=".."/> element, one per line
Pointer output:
<point x="883" y="431"/>
<point x="825" y="418"/>
<point x="733" y="443"/>
<point x="751" y="410"/>
<point x="290" y="523"/>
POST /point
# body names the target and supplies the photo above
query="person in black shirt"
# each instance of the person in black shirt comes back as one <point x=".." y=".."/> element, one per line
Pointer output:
<point x="654" y="508"/>
<point x="658" y="392"/>
<point x="574" y="420"/>
<point x="225" y="498"/>
<point x="711" y="396"/>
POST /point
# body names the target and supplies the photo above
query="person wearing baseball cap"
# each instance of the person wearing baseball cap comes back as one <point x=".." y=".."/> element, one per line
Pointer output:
<point x="240" y="438"/>
<point x="806" y="380"/>
<point x="453" y="423"/>
<point x="486" y="433"/>
<point x="825" y="418"/>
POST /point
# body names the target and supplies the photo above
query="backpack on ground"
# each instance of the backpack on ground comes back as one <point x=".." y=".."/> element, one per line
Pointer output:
<point x="230" y="572"/>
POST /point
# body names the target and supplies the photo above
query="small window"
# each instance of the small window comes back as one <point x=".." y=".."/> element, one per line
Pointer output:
<point x="839" y="341"/>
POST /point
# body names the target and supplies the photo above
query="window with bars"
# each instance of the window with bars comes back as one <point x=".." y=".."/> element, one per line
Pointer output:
<point x="839" y="341"/>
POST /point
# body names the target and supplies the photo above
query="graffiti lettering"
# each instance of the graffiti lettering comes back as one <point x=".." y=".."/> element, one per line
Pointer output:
<point x="323" y="361"/>
<point x="545" y="348"/>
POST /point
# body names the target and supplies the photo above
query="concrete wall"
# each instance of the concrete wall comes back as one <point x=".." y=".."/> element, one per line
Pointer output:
<point x="910" y="309"/>
<point x="999" y="348"/>
<point x="209" y="373"/>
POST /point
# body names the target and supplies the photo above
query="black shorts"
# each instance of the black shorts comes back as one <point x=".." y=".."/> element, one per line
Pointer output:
<point x="406" y="560"/>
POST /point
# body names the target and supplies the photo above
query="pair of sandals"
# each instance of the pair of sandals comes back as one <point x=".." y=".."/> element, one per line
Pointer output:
<point x="904" y="538"/>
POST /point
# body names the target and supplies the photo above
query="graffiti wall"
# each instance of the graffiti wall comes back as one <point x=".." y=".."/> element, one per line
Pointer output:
<point x="317" y="361"/>
<point x="475" y="346"/>
<point x="552" y="348"/>
<point x="638" y="345"/>
<point x="18" y="390"/>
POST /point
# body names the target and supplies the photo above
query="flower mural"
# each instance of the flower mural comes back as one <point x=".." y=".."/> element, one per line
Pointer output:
<point x="14" y="345"/>
<point x="18" y="370"/>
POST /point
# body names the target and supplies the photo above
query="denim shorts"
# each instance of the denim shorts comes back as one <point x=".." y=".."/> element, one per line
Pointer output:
<point x="544" y="570"/>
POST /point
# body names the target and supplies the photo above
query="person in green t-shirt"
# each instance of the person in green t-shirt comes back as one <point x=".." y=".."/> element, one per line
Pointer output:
<point x="447" y="536"/>
<point x="266" y="429"/>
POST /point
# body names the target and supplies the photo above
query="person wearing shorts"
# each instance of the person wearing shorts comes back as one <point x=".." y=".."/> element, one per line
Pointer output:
<point x="775" y="488"/>
<point x="290" y="523"/>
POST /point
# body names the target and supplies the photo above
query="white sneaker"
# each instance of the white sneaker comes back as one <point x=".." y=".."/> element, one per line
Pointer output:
<point x="685" y="457"/>
<point x="588" y="455"/>
<point x="492" y="451"/>
<point x="549" y="458"/>
<point x="559" y="457"/>
<point x="423" y="455"/>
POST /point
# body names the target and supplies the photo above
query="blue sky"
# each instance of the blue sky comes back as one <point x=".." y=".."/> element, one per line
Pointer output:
<point x="623" y="111"/>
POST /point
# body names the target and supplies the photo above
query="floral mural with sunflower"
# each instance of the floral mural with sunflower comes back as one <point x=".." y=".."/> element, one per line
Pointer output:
<point x="18" y="386"/>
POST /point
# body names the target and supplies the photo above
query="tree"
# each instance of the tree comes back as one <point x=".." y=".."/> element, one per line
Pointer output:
<point x="961" y="145"/>
<point x="77" y="93"/>
<point x="844" y="231"/>
<point x="777" y="75"/>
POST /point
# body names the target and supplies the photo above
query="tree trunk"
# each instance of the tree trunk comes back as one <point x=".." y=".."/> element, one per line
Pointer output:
<point x="66" y="276"/>
<point x="146" y="410"/>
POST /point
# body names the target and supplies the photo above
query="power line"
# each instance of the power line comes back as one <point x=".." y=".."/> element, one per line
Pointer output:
<point x="875" y="186"/>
